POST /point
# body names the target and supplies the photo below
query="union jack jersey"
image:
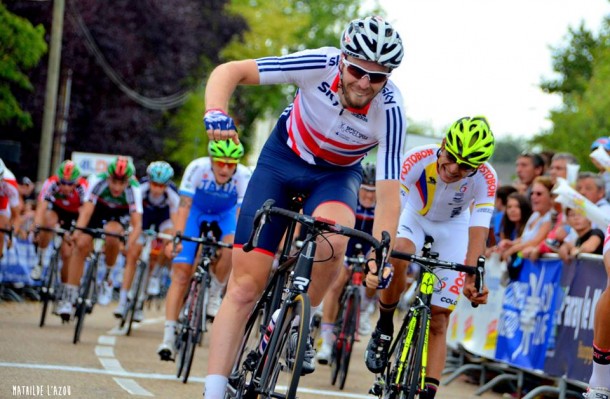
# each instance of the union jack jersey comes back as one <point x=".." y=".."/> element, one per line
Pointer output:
<point x="320" y="130"/>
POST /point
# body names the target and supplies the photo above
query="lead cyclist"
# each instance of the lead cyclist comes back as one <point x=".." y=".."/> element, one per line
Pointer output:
<point x="439" y="186"/>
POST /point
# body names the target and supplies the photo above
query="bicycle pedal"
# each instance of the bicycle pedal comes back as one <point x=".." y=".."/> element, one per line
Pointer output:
<point x="375" y="390"/>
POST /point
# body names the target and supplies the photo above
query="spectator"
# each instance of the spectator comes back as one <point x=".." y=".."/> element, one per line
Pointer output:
<point x="559" y="165"/>
<point x="547" y="157"/>
<point x="539" y="223"/>
<point x="500" y="207"/>
<point x="592" y="187"/>
<point x="590" y="240"/>
<point x="528" y="167"/>
<point x="605" y="175"/>
<point x="518" y="211"/>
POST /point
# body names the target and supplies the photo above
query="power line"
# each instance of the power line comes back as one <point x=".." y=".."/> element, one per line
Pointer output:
<point x="158" y="104"/>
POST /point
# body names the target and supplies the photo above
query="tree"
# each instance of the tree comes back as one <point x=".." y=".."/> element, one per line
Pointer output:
<point x="584" y="68"/>
<point x="21" y="47"/>
<point x="274" y="27"/>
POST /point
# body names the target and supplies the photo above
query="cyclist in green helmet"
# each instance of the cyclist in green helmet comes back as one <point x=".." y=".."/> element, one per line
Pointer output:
<point x="211" y="191"/>
<point x="439" y="186"/>
<point x="58" y="202"/>
<point x="113" y="201"/>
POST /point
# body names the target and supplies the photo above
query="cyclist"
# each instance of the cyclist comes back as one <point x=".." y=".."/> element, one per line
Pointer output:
<point x="160" y="203"/>
<point x="10" y="205"/>
<point x="344" y="107"/>
<point x="439" y="184"/>
<point x="112" y="202"/>
<point x="211" y="190"/>
<point x="599" y="383"/>
<point x="365" y="214"/>
<point x="58" y="202"/>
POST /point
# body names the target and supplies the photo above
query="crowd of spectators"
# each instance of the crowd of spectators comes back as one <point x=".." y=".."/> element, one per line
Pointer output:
<point x="529" y="222"/>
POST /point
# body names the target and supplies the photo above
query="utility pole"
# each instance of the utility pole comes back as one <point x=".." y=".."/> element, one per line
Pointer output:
<point x="50" y="101"/>
<point x="59" y="144"/>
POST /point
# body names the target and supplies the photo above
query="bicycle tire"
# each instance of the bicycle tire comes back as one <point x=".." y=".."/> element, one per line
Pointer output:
<point x="403" y="377"/>
<point x="248" y="355"/>
<point x="183" y="333"/>
<point x="276" y="359"/>
<point x="195" y="328"/>
<point x="133" y="302"/>
<point x="81" y="303"/>
<point x="350" y="323"/>
<point x="49" y="287"/>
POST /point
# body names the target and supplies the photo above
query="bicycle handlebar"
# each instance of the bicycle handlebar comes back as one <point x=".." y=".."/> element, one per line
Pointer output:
<point x="56" y="230"/>
<point x="101" y="233"/>
<point x="431" y="262"/>
<point x="317" y="225"/>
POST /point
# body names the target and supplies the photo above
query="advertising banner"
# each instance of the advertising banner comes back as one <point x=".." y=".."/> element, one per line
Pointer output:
<point x="525" y="328"/>
<point x="476" y="329"/>
<point x="574" y="322"/>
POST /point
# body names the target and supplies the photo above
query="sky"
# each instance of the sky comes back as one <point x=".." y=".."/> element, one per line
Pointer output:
<point x="485" y="57"/>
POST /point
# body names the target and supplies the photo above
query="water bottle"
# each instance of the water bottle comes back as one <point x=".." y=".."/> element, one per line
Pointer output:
<point x="268" y="332"/>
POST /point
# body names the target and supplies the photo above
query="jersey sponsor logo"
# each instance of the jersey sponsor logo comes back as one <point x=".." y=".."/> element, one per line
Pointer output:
<point x="490" y="178"/>
<point x="388" y="96"/>
<point x="448" y="300"/>
<point x="344" y="128"/>
<point x="325" y="88"/>
<point x="409" y="162"/>
<point x="458" y="283"/>
<point x="431" y="180"/>
<point x="333" y="61"/>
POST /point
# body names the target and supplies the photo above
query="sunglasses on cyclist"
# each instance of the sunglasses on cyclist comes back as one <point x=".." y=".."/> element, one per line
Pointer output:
<point x="67" y="182"/>
<point x="155" y="184"/>
<point x="368" y="188"/>
<point x="358" y="72"/>
<point x="462" y="165"/>
<point x="221" y="163"/>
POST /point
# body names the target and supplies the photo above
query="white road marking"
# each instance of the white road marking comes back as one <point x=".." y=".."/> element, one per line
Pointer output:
<point x="106" y="340"/>
<point x="154" y="376"/>
<point x="104" y="351"/>
<point x="111" y="364"/>
<point x="132" y="387"/>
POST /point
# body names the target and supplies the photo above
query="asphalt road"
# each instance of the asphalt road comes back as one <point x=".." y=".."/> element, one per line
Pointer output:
<point x="43" y="362"/>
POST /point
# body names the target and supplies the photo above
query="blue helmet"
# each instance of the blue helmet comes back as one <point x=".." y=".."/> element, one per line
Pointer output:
<point x="160" y="172"/>
<point x="601" y="142"/>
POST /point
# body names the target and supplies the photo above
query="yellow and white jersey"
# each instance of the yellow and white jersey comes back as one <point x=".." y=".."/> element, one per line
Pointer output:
<point x="423" y="191"/>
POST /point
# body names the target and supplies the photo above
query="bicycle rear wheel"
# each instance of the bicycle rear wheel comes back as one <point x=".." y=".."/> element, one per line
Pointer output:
<point x="350" y="322"/>
<point x="195" y="328"/>
<point x="287" y="350"/>
<point x="49" y="286"/>
<point x="85" y="298"/>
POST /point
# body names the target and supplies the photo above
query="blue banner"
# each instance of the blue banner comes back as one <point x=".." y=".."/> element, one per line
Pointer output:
<point x="526" y="323"/>
<point x="574" y="322"/>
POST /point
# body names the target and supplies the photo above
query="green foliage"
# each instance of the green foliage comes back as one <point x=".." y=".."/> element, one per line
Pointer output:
<point x="21" y="47"/>
<point x="275" y="27"/>
<point x="585" y="83"/>
<point x="507" y="150"/>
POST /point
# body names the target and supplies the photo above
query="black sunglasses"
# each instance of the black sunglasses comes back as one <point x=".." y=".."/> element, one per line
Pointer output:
<point x="461" y="165"/>
<point x="358" y="72"/>
<point x="67" y="182"/>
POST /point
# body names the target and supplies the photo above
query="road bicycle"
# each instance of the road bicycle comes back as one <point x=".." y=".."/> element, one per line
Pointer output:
<point x="265" y="353"/>
<point x="348" y="320"/>
<point x="405" y="372"/>
<point x="191" y="322"/>
<point x="51" y="283"/>
<point x="87" y="292"/>
<point x="137" y="292"/>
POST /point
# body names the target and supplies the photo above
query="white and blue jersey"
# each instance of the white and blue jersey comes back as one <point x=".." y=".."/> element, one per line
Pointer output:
<point x="317" y="144"/>
<point x="157" y="210"/>
<point x="212" y="202"/>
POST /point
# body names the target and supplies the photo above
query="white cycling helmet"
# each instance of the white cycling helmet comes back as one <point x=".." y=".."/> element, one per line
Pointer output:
<point x="373" y="39"/>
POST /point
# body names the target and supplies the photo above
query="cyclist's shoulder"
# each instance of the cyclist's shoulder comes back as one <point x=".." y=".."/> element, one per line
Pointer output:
<point x="422" y="156"/>
<point x="486" y="174"/>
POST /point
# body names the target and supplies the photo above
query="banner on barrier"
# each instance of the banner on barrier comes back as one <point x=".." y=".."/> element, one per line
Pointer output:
<point x="526" y="324"/>
<point x="476" y="329"/>
<point x="574" y="322"/>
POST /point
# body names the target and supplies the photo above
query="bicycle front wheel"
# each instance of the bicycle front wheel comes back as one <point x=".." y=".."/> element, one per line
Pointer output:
<point x="85" y="298"/>
<point x="135" y="296"/>
<point x="287" y="350"/>
<point x="48" y="288"/>
<point x="406" y="375"/>
<point x="350" y="322"/>
<point x="195" y="327"/>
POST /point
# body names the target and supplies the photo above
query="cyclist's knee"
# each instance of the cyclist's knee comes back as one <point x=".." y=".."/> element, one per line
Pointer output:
<point x="332" y="249"/>
<point x="244" y="289"/>
<point x="181" y="274"/>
